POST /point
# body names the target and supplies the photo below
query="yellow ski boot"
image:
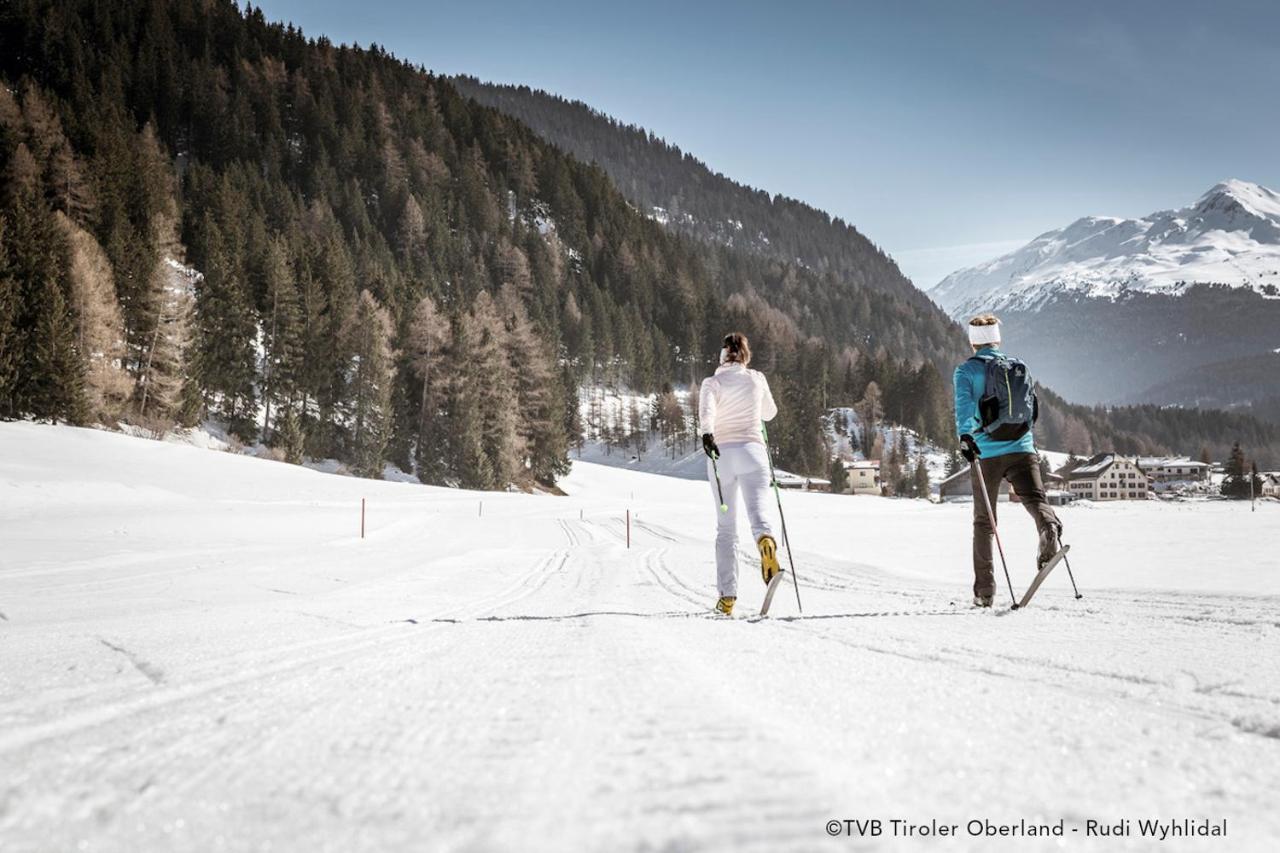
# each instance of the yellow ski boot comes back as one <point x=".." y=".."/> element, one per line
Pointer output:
<point x="769" y="566"/>
<point x="725" y="605"/>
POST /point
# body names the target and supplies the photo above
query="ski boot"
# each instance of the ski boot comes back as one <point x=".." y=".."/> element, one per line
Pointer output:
<point x="725" y="605"/>
<point x="1050" y="545"/>
<point x="982" y="600"/>
<point x="768" y="558"/>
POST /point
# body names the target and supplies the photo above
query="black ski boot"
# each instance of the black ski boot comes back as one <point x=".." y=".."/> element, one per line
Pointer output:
<point x="982" y="600"/>
<point x="1050" y="545"/>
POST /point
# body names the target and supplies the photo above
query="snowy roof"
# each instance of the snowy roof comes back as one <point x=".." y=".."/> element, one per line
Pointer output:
<point x="863" y="463"/>
<point x="1170" y="462"/>
<point x="1080" y="469"/>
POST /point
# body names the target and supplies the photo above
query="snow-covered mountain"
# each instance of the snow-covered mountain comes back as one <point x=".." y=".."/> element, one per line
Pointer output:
<point x="1132" y="310"/>
<point x="1230" y="236"/>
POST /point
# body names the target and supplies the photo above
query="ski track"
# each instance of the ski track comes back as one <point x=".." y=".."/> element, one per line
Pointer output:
<point x="523" y="680"/>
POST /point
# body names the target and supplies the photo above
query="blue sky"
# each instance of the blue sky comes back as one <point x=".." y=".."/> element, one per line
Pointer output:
<point x="948" y="132"/>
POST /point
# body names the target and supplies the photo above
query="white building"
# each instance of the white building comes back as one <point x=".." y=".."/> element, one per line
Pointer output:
<point x="864" y="477"/>
<point x="1271" y="484"/>
<point x="1169" y="472"/>
<point x="1105" y="477"/>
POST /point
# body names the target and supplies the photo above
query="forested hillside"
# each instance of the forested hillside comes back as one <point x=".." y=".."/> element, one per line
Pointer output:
<point x="335" y="253"/>
<point x="834" y="265"/>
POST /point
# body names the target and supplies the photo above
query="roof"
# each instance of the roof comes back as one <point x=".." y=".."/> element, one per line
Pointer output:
<point x="1082" y="469"/>
<point x="863" y="463"/>
<point x="1170" y="462"/>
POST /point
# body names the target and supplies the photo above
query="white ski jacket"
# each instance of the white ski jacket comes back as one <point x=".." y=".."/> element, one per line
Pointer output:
<point x="733" y="402"/>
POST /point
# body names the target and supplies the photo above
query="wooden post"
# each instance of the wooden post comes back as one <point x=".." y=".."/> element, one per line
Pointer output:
<point x="628" y="528"/>
<point x="362" y="518"/>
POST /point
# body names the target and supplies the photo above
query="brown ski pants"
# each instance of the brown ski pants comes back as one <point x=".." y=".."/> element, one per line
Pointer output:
<point x="1022" y="470"/>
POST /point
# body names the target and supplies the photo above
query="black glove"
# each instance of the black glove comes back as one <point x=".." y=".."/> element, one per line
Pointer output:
<point x="709" y="445"/>
<point x="969" y="448"/>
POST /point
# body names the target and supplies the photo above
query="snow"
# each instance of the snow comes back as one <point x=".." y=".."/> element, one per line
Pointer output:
<point x="200" y="652"/>
<point x="1229" y="236"/>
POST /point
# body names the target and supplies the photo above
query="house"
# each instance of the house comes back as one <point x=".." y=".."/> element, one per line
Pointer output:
<point x="1105" y="477"/>
<point x="1271" y="484"/>
<point x="804" y="484"/>
<point x="958" y="488"/>
<point x="864" y="477"/>
<point x="1168" y="472"/>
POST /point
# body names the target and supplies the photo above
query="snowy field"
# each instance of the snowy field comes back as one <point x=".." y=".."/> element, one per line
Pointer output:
<point x="198" y="652"/>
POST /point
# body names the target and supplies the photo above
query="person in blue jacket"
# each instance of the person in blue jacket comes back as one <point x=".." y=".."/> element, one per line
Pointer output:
<point x="1015" y="460"/>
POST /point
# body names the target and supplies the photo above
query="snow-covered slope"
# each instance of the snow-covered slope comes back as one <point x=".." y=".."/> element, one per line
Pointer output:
<point x="1229" y="236"/>
<point x="198" y="651"/>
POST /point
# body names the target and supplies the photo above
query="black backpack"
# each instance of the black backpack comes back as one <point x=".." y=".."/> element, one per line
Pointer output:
<point x="1009" y="405"/>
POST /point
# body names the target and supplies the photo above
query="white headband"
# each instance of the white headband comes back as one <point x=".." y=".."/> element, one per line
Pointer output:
<point x="979" y="335"/>
<point x="724" y="354"/>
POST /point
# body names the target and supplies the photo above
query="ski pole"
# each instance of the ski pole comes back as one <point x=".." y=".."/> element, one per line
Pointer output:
<point x="786" y="540"/>
<point x="1074" y="588"/>
<point x="715" y="469"/>
<point x="991" y="516"/>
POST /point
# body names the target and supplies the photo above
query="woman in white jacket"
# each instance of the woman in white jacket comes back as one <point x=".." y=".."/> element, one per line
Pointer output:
<point x="731" y="405"/>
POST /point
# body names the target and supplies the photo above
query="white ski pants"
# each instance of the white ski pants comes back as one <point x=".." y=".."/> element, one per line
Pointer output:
<point x="744" y="478"/>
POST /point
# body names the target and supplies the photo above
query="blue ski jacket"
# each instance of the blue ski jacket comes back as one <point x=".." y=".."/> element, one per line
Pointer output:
<point x="970" y="383"/>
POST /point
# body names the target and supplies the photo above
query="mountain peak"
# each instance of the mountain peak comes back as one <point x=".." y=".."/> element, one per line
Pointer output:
<point x="1253" y="198"/>
<point x="1229" y="236"/>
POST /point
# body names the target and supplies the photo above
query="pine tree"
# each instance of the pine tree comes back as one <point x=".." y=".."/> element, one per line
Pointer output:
<point x="166" y="390"/>
<point x="10" y="338"/>
<point x="921" y="478"/>
<point x="49" y="380"/>
<point x="428" y="340"/>
<point x="328" y="353"/>
<point x="225" y="334"/>
<point x="99" y="326"/>
<point x="495" y="384"/>
<point x="1234" y="484"/>
<point x="372" y="372"/>
<point x="870" y="410"/>
<point x="468" y="464"/>
<point x="891" y="471"/>
<point x="839" y="476"/>
<point x="282" y="325"/>
<point x="540" y="429"/>
<point x="289" y="437"/>
<point x="56" y="388"/>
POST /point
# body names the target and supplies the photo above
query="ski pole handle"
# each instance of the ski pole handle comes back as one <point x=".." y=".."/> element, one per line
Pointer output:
<point x="715" y="469"/>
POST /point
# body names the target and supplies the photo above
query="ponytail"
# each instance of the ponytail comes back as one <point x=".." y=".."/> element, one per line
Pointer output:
<point x="736" y="349"/>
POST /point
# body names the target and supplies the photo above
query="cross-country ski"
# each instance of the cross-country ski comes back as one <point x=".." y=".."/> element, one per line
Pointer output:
<point x="769" y="591"/>
<point x="1042" y="574"/>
